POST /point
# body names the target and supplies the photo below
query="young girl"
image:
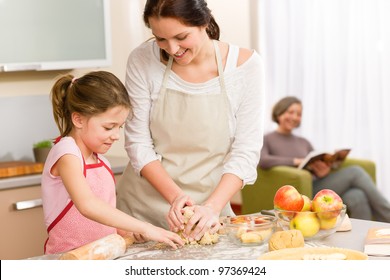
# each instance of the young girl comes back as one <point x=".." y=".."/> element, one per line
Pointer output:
<point x="78" y="187"/>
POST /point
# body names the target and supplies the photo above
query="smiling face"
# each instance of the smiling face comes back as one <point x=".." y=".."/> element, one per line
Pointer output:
<point x="184" y="43"/>
<point x="290" y="119"/>
<point x="98" y="133"/>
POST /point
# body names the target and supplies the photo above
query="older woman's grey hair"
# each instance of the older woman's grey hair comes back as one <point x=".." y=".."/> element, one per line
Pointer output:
<point x="282" y="105"/>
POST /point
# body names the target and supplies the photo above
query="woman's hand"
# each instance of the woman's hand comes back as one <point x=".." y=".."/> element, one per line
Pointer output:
<point x="320" y="168"/>
<point x="297" y="161"/>
<point x="205" y="219"/>
<point x="175" y="217"/>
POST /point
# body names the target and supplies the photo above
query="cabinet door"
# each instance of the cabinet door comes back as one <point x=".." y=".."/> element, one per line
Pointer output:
<point x="23" y="233"/>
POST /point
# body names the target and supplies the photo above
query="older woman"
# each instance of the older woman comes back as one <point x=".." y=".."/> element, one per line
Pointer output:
<point x="353" y="184"/>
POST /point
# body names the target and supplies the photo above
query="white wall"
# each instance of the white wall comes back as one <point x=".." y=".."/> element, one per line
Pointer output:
<point x="128" y="31"/>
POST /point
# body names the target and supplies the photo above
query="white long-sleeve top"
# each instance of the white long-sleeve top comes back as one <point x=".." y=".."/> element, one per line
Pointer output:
<point x="245" y="89"/>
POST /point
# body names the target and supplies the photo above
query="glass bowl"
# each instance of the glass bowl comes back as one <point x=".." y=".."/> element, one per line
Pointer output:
<point x="313" y="225"/>
<point x="249" y="230"/>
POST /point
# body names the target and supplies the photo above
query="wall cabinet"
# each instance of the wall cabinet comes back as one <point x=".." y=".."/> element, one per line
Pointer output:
<point x="23" y="233"/>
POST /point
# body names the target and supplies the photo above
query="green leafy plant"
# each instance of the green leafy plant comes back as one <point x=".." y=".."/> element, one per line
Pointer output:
<point x="43" y="144"/>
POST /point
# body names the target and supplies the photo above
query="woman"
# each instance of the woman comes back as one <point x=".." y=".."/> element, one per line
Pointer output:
<point x="196" y="133"/>
<point x="353" y="184"/>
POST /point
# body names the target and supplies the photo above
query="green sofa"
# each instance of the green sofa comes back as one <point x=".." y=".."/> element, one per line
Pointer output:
<point x="259" y="196"/>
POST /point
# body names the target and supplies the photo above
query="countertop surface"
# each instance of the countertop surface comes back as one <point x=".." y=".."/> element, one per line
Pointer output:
<point x="225" y="250"/>
<point x="118" y="164"/>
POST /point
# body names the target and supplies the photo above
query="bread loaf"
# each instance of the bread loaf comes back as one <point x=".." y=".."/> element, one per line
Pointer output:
<point x="286" y="239"/>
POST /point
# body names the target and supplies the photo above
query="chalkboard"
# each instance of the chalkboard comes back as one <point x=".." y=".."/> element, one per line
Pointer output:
<point x="54" y="34"/>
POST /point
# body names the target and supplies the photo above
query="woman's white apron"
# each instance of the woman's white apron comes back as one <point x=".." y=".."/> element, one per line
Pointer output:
<point x="191" y="133"/>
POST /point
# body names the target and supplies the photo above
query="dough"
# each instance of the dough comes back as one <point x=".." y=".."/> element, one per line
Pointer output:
<point x="286" y="239"/>
<point x="207" y="238"/>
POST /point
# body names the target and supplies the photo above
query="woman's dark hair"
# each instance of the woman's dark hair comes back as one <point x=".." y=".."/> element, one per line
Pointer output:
<point x="89" y="95"/>
<point x="282" y="105"/>
<point x="189" y="12"/>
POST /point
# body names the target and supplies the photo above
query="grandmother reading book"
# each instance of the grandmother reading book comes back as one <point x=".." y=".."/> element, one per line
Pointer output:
<point x="352" y="183"/>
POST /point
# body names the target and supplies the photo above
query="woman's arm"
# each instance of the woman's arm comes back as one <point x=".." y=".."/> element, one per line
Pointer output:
<point x="206" y="216"/>
<point x="268" y="160"/>
<point x="143" y="76"/>
<point x="163" y="183"/>
<point x="247" y="109"/>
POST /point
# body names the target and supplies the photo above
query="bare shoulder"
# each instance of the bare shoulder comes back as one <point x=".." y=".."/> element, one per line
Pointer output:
<point x="244" y="55"/>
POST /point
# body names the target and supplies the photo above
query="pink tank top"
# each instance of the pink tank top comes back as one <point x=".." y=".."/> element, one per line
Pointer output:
<point x="71" y="229"/>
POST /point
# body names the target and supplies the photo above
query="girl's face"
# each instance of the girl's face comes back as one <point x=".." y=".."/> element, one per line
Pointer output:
<point x="98" y="133"/>
<point x="182" y="42"/>
<point x="290" y="119"/>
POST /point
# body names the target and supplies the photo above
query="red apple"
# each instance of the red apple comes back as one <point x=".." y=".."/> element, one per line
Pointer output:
<point x="306" y="203"/>
<point x="327" y="203"/>
<point x="306" y="222"/>
<point x="288" y="198"/>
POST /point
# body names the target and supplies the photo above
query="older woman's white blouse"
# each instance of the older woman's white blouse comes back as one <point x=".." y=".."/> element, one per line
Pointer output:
<point x="245" y="88"/>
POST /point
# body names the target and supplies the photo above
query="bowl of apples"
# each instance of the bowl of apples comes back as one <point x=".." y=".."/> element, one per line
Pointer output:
<point x="316" y="218"/>
<point x="249" y="230"/>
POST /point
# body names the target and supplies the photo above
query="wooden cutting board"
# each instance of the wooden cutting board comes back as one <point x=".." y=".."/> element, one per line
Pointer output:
<point x="18" y="168"/>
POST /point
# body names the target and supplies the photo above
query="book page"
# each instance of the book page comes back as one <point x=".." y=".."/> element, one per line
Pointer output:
<point x="333" y="158"/>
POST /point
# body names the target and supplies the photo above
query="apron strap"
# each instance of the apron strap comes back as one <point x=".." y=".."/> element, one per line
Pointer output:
<point x="219" y="65"/>
<point x="167" y="72"/>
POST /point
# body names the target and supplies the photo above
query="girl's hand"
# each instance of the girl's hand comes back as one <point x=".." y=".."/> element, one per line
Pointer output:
<point x="205" y="218"/>
<point x="175" y="215"/>
<point x="320" y="168"/>
<point x="137" y="237"/>
<point x="161" y="235"/>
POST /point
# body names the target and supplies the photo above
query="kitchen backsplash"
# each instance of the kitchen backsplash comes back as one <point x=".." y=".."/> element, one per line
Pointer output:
<point x="24" y="120"/>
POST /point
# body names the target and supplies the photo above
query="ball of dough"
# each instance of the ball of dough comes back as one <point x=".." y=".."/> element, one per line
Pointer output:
<point x="286" y="239"/>
<point x="207" y="238"/>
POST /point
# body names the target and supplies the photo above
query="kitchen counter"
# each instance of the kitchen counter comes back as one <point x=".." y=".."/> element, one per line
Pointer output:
<point x="118" y="164"/>
<point x="226" y="250"/>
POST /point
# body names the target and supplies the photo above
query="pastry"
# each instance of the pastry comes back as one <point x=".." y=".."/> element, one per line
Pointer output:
<point x="255" y="236"/>
<point x="286" y="239"/>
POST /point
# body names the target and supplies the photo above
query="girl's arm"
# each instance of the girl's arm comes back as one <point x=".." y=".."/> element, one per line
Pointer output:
<point x="69" y="169"/>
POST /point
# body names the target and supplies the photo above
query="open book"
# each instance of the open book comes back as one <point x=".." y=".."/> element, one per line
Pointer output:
<point x="377" y="242"/>
<point x="334" y="158"/>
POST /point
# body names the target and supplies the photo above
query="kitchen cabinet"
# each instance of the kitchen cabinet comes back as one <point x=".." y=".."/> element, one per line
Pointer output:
<point x="23" y="232"/>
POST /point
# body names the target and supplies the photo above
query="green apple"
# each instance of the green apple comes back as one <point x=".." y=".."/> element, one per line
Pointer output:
<point x="328" y="223"/>
<point x="306" y="203"/>
<point x="306" y="222"/>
